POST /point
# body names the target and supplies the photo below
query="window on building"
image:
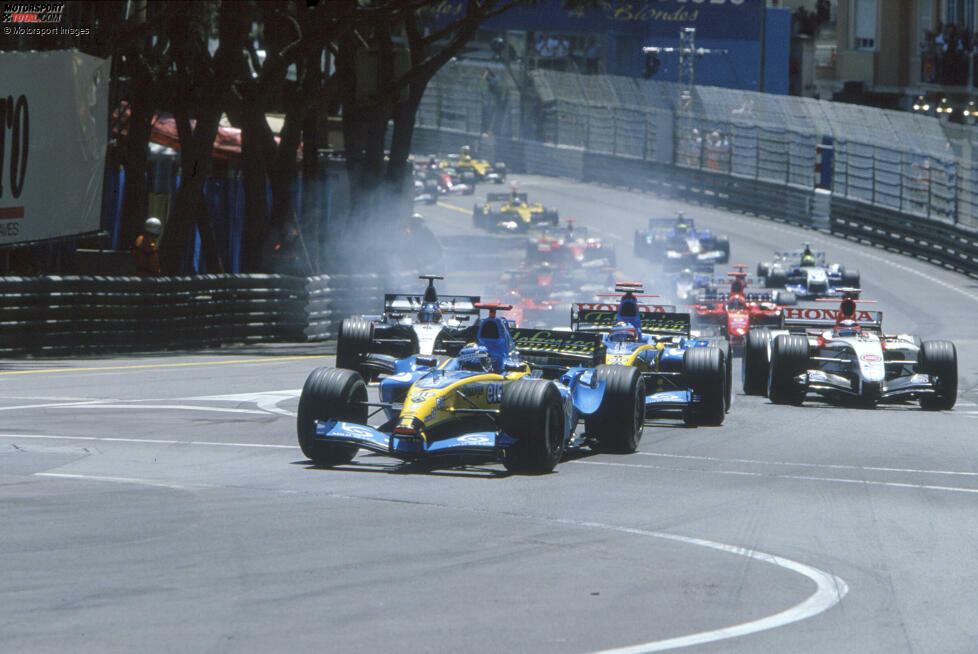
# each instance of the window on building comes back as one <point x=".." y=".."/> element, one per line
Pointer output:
<point x="865" y="32"/>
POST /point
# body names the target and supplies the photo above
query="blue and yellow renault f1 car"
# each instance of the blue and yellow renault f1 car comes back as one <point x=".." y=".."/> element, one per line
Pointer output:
<point x="489" y="403"/>
<point x="681" y="373"/>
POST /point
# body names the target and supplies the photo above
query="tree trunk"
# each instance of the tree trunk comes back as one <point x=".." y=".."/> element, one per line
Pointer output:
<point x="253" y="128"/>
<point x="195" y="158"/>
<point x="136" y="154"/>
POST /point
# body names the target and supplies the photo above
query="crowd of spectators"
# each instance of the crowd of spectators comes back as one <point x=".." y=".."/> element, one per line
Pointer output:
<point x="945" y="55"/>
<point x="570" y="53"/>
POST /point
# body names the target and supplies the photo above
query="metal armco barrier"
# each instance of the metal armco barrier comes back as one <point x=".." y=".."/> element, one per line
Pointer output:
<point x="63" y="316"/>
<point x="57" y="316"/>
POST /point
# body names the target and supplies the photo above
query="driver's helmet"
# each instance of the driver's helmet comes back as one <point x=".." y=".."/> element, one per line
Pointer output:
<point x="623" y="333"/>
<point x="681" y="226"/>
<point x="735" y="304"/>
<point x="686" y="273"/>
<point x="475" y="357"/>
<point x="847" y="327"/>
<point x="430" y="312"/>
<point x="808" y="259"/>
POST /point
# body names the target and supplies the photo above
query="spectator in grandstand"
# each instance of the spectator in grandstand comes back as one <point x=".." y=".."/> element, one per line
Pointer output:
<point x="591" y="55"/>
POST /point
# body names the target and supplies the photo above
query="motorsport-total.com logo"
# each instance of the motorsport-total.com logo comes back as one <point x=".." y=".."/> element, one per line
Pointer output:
<point x="32" y="12"/>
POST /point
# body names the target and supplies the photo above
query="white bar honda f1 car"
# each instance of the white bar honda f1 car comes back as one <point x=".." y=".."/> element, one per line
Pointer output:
<point x="844" y="357"/>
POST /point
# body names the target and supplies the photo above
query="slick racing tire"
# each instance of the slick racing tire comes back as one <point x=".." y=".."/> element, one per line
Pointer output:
<point x="330" y="393"/>
<point x="850" y="278"/>
<point x="352" y="342"/>
<point x="763" y="269"/>
<point x="722" y="243"/>
<point x="939" y="359"/>
<point x="551" y="216"/>
<point x="789" y="358"/>
<point x="786" y="299"/>
<point x="532" y="412"/>
<point x="618" y="423"/>
<point x="705" y="372"/>
<point x="776" y="279"/>
<point x="756" y="362"/>
<point x="723" y="344"/>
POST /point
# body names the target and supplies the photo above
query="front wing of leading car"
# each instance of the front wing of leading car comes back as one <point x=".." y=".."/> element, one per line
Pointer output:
<point x="483" y="443"/>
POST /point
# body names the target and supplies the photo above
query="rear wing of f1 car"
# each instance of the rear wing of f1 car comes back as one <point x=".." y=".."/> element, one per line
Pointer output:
<point x="601" y="317"/>
<point x="819" y="318"/>
<point x="503" y="197"/>
<point x="663" y="323"/>
<point x="558" y="348"/>
<point x="411" y="303"/>
<point x="662" y="223"/>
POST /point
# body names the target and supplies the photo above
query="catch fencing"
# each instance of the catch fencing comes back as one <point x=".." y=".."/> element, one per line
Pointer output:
<point x="806" y="161"/>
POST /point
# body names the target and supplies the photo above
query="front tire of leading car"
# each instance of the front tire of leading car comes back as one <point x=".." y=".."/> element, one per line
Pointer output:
<point x="939" y="359"/>
<point x="618" y="423"/>
<point x="532" y="412"/>
<point x="330" y="394"/>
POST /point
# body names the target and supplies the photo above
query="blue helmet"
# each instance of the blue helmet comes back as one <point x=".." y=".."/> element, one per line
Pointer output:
<point x="475" y="357"/>
<point x="429" y="313"/>
<point x="623" y="333"/>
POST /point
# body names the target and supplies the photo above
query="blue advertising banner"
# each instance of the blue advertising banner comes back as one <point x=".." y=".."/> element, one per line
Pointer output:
<point x="713" y="19"/>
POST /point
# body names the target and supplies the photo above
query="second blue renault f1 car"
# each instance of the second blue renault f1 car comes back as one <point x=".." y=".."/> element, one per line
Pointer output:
<point x="681" y="373"/>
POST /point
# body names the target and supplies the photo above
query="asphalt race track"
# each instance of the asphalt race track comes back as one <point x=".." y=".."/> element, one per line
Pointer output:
<point x="161" y="503"/>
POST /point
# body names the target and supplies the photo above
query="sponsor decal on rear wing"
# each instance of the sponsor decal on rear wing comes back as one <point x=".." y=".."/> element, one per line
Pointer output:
<point x="819" y="317"/>
<point x="602" y="317"/>
<point x="666" y="321"/>
<point x="658" y="223"/>
<point x="571" y="345"/>
<point x="408" y="303"/>
<point x="503" y="197"/>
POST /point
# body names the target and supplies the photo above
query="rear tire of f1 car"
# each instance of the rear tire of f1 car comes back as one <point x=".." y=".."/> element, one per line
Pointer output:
<point x="728" y="372"/>
<point x="786" y="299"/>
<point x="551" y="216"/>
<point x="763" y="269"/>
<point x="705" y="372"/>
<point x="330" y="393"/>
<point x="939" y="359"/>
<point x="352" y="342"/>
<point x="776" y="279"/>
<point x="618" y="423"/>
<point x="532" y="412"/>
<point x="850" y="278"/>
<point x="756" y="362"/>
<point x="722" y="243"/>
<point x="789" y="358"/>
